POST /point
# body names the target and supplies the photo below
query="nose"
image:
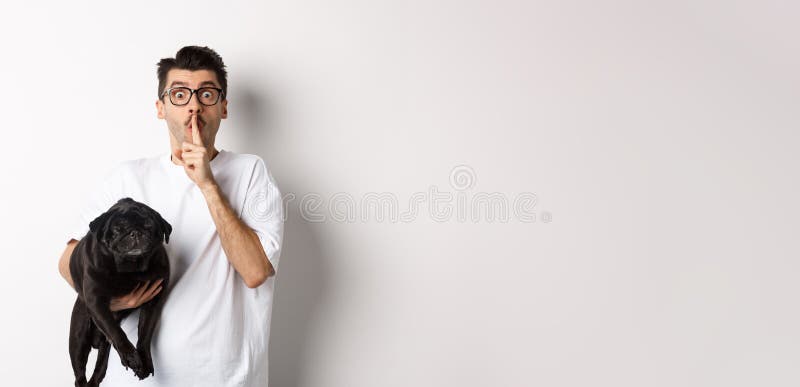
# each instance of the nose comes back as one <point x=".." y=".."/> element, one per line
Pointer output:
<point x="194" y="105"/>
<point x="195" y="109"/>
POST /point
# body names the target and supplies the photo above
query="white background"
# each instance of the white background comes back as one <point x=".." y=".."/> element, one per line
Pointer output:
<point x="661" y="137"/>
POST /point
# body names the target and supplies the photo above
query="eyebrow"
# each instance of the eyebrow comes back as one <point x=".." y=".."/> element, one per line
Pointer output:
<point x="181" y="83"/>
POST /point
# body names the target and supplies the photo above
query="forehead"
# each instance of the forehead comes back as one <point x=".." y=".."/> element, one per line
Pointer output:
<point x="193" y="79"/>
<point x="131" y="209"/>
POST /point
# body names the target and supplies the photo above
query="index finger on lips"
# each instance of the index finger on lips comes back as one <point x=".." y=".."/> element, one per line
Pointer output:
<point x="195" y="133"/>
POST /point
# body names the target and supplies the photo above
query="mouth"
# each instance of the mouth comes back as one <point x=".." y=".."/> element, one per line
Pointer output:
<point x="200" y="124"/>
<point x="135" y="252"/>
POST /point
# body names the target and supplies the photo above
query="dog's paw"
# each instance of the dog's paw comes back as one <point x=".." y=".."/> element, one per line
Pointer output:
<point x="147" y="364"/>
<point x="141" y="373"/>
<point x="130" y="359"/>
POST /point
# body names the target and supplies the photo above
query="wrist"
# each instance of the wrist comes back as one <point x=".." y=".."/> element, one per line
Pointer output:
<point x="210" y="188"/>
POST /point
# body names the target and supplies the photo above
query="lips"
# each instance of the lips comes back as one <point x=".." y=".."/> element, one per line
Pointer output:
<point x="200" y="123"/>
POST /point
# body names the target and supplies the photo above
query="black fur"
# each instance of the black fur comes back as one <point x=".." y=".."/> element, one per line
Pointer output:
<point x="106" y="264"/>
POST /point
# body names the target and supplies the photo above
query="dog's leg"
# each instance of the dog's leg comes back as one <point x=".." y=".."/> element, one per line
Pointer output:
<point x="105" y="320"/>
<point x="101" y="365"/>
<point x="148" y="318"/>
<point x="79" y="341"/>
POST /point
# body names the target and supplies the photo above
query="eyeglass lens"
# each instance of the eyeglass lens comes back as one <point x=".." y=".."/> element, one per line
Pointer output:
<point x="206" y="95"/>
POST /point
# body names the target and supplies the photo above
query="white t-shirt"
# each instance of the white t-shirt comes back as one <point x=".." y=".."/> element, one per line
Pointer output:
<point x="214" y="330"/>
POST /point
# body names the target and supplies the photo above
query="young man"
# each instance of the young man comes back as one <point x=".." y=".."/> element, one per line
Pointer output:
<point x="227" y="230"/>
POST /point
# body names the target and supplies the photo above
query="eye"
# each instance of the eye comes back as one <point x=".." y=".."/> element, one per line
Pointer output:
<point x="207" y="94"/>
<point x="179" y="94"/>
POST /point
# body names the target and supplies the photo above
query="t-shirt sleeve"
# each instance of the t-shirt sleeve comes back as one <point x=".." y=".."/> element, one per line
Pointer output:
<point x="103" y="195"/>
<point x="263" y="211"/>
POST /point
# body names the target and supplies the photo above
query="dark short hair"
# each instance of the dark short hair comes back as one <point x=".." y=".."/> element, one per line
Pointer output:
<point x="193" y="58"/>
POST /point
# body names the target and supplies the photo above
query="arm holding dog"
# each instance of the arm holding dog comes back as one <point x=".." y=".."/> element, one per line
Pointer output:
<point x="63" y="263"/>
<point x="139" y="295"/>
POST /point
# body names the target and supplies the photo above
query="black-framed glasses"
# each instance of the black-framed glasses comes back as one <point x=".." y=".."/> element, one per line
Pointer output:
<point x="179" y="96"/>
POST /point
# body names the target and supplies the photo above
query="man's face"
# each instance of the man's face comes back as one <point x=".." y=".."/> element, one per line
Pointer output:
<point x="179" y="118"/>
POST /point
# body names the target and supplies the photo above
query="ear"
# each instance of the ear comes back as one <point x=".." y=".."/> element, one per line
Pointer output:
<point x="99" y="221"/>
<point x="160" y="109"/>
<point x="166" y="227"/>
<point x="224" y="108"/>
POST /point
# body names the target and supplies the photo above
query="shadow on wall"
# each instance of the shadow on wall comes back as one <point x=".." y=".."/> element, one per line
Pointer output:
<point x="300" y="286"/>
<point x="301" y="280"/>
<point x="254" y="115"/>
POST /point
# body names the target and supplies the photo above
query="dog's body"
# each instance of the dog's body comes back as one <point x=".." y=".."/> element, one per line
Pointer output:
<point x="122" y="249"/>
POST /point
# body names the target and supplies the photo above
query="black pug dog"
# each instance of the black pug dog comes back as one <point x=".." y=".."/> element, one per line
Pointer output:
<point x="122" y="249"/>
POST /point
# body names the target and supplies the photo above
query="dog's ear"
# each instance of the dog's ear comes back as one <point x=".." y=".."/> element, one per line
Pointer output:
<point x="165" y="227"/>
<point x="99" y="221"/>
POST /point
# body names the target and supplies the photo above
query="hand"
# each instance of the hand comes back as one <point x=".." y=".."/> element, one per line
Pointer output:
<point x="140" y="294"/>
<point x="195" y="159"/>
